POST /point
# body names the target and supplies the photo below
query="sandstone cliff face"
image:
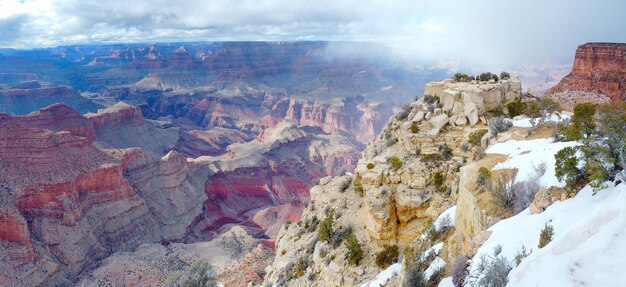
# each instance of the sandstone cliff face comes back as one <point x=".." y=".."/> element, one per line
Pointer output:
<point x="598" y="75"/>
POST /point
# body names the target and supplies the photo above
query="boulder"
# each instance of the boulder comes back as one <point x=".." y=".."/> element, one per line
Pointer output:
<point x="483" y="120"/>
<point x="428" y="116"/>
<point x="437" y="111"/>
<point x="448" y="99"/>
<point x="419" y="116"/>
<point x="492" y="99"/>
<point x="461" y="120"/>
<point x="407" y="125"/>
<point x="432" y="133"/>
<point x="439" y="121"/>
<point x="457" y="108"/>
<point x="484" y="141"/>
<point x="545" y="197"/>
<point x="471" y="112"/>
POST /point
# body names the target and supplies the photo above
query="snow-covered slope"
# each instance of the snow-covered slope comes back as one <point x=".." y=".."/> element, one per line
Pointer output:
<point x="589" y="243"/>
<point x="588" y="246"/>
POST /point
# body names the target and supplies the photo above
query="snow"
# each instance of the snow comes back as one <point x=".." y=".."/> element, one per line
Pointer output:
<point x="524" y="122"/>
<point x="384" y="276"/>
<point x="588" y="246"/>
<point x="446" y="282"/>
<point x="450" y="213"/>
<point x="434" y="249"/>
<point x="437" y="264"/>
<point x="524" y="155"/>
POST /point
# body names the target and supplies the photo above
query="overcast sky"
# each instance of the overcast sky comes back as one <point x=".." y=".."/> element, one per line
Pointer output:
<point x="477" y="32"/>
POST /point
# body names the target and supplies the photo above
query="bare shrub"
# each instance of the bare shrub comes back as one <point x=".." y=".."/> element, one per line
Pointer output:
<point x="387" y="256"/>
<point x="459" y="271"/>
<point x="200" y="273"/>
<point x="502" y="192"/>
<point x="499" y="125"/>
<point x="521" y="254"/>
<point x="493" y="270"/>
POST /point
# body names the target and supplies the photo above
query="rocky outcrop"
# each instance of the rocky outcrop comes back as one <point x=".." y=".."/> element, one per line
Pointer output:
<point x="56" y="117"/>
<point x="123" y="126"/>
<point x="466" y="102"/>
<point x="545" y="197"/>
<point x="404" y="180"/>
<point x="598" y="75"/>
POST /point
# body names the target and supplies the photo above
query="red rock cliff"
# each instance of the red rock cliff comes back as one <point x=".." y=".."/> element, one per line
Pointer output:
<point x="599" y="68"/>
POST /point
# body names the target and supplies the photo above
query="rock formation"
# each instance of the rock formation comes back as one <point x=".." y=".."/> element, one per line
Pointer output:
<point x="404" y="180"/>
<point x="598" y="75"/>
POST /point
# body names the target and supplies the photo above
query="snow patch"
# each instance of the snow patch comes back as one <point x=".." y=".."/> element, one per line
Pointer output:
<point x="446" y="282"/>
<point x="437" y="264"/>
<point x="445" y="219"/>
<point x="525" y="155"/>
<point x="384" y="276"/>
<point x="524" y="122"/>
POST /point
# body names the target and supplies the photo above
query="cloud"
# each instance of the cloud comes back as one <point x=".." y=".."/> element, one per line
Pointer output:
<point x="482" y="33"/>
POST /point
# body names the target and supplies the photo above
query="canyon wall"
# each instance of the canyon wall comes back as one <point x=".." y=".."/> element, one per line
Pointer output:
<point x="598" y="75"/>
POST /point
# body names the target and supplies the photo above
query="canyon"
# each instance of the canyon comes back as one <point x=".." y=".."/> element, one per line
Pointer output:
<point x="109" y="152"/>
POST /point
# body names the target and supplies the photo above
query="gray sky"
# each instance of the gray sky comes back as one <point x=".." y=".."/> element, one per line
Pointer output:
<point x="479" y="32"/>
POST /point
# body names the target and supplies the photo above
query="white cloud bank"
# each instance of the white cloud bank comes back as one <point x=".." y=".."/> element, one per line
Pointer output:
<point x="481" y="32"/>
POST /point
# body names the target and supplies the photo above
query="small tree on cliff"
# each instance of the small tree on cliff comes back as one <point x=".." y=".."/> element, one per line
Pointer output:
<point x="355" y="253"/>
<point x="325" y="229"/>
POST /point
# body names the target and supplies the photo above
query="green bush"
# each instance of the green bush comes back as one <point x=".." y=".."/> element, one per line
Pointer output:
<point x="438" y="180"/>
<point x="325" y="227"/>
<point x="433" y="157"/>
<point x="387" y="256"/>
<point x="546" y="235"/>
<point x="505" y="76"/>
<point x="475" y="137"/>
<point x="461" y="77"/>
<point x="432" y="235"/>
<point x="446" y="152"/>
<point x="516" y="107"/>
<point x="483" y="178"/>
<point x="415" y="128"/>
<point x="358" y="186"/>
<point x="300" y="267"/>
<point x="431" y="99"/>
<point x="532" y="109"/>
<point x="566" y="166"/>
<point x="370" y="165"/>
<point x="582" y="125"/>
<point x="355" y="253"/>
<point x="404" y="113"/>
<point x="395" y="162"/>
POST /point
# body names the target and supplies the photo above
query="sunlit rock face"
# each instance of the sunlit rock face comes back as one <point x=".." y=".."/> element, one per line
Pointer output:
<point x="598" y="75"/>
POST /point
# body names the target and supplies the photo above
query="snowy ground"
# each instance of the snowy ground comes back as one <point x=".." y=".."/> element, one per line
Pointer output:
<point x="524" y="122"/>
<point x="588" y="247"/>
<point x="525" y="155"/>
<point x="589" y="242"/>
